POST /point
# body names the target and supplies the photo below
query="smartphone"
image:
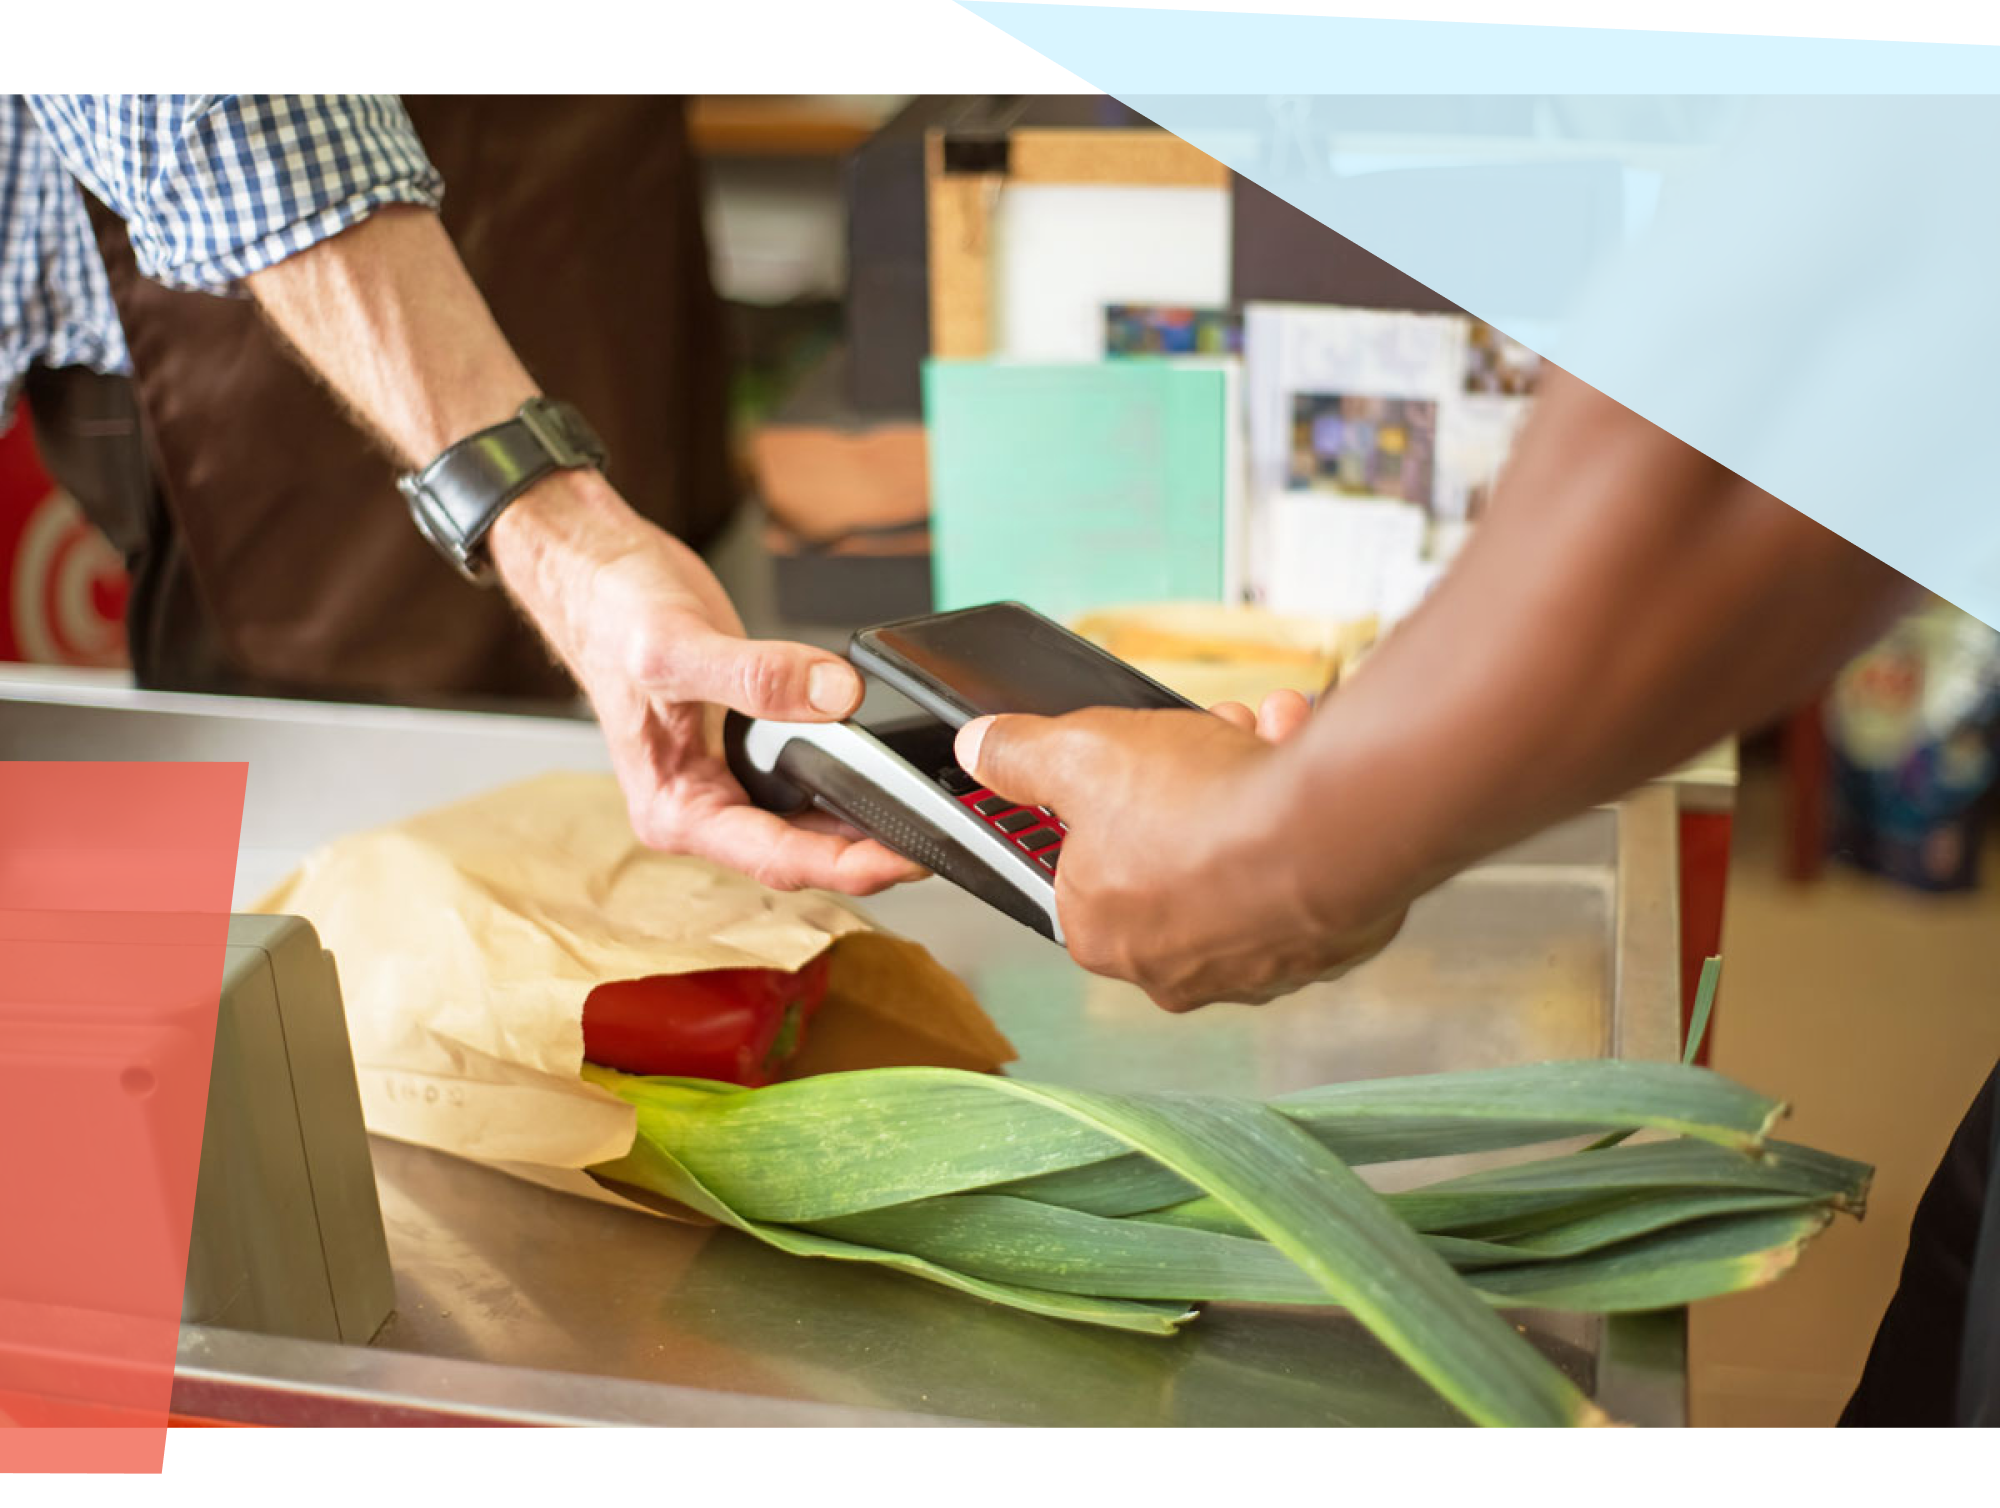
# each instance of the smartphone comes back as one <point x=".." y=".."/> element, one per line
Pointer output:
<point x="1001" y="657"/>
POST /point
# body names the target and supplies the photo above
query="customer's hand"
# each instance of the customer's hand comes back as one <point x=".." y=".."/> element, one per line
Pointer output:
<point x="1277" y="718"/>
<point x="1181" y="872"/>
<point x="650" y="636"/>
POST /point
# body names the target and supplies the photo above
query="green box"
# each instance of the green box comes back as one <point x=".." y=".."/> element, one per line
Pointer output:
<point x="1077" y="486"/>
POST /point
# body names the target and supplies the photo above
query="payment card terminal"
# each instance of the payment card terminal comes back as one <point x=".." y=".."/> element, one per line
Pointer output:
<point x="892" y="774"/>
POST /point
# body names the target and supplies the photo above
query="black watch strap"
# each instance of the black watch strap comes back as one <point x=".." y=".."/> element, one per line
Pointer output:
<point x="457" y="497"/>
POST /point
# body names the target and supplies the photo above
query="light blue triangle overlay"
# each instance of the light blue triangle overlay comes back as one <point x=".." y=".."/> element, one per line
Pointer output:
<point x="1144" y="51"/>
<point x="1803" y="285"/>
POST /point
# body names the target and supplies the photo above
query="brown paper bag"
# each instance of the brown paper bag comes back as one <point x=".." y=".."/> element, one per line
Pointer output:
<point x="467" y="939"/>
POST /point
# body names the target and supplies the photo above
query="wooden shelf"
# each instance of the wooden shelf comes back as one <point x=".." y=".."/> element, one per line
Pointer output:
<point x="778" y="125"/>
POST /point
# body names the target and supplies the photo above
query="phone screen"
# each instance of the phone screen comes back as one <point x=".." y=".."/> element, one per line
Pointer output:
<point x="1004" y="658"/>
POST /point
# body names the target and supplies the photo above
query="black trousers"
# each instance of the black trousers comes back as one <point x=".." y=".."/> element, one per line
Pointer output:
<point x="92" y="440"/>
<point x="1936" y="1357"/>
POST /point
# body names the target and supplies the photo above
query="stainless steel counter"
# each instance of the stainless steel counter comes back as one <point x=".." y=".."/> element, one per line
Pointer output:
<point x="515" y="1303"/>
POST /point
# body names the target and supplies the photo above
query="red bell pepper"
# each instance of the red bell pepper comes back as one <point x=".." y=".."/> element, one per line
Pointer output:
<point x="741" y="1026"/>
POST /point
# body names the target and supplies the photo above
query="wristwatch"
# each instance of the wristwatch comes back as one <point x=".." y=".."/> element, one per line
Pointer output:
<point x="457" y="497"/>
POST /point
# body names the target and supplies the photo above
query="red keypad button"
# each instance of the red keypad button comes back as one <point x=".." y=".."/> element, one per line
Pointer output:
<point x="1035" y="830"/>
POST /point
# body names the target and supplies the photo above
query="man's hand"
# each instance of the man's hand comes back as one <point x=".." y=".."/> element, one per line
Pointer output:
<point x="385" y="314"/>
<point x="650" y="636"/>
<point x="1180" y="872"/>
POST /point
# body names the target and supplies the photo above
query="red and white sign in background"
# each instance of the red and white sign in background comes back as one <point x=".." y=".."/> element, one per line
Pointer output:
<point x="62" y="585"/>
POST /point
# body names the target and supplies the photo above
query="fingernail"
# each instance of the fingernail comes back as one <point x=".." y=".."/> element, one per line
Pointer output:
<point x="966" y="746"/>
<point x="831" y="688"/>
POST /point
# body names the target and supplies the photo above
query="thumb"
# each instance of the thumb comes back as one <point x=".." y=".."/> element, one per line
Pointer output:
<point x="758" y="677"/>
<point x="1014" y="754"/>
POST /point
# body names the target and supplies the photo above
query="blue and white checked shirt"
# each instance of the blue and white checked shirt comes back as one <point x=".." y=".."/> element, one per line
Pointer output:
<point x="212" y="187"/>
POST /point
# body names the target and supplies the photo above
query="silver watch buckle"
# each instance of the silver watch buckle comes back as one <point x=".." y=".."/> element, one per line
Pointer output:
<point x="426" y="513"/>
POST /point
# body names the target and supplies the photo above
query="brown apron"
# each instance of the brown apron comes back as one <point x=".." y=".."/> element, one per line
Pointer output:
<point x="291" y="565"/>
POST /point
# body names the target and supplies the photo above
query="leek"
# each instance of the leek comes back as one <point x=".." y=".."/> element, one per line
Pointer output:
<point x="1130" y="1211"/>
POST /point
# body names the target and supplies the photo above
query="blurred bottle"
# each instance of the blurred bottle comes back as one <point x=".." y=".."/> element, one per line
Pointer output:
<point x="1911" y="739"/>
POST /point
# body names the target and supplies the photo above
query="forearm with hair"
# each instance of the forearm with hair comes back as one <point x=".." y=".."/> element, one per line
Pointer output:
<point x="388" y="317"/>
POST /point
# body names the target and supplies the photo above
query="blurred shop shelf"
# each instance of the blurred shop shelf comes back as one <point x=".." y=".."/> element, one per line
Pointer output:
<point x="786" y="125"/>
